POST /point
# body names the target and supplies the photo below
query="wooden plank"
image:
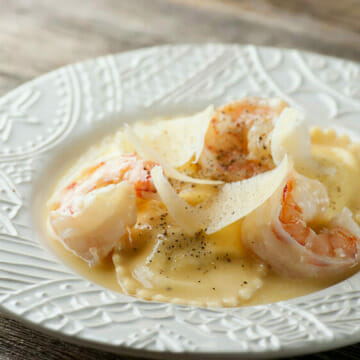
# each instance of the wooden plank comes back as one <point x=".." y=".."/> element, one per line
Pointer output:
<point x="38" y="36"/>
<point x="20" y="342"/>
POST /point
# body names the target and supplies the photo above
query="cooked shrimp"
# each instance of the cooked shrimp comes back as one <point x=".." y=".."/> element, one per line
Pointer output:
<point x="91" y="214"/>
<point x="288" y="233"/>
<point x="237" y="142"/>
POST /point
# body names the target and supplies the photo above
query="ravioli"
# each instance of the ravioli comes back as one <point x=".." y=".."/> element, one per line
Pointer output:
<point x="341" y="158"/>
<point x="196" y="269"/>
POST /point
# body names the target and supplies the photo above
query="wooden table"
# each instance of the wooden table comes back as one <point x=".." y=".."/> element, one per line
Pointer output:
<point x="37" y="36"/>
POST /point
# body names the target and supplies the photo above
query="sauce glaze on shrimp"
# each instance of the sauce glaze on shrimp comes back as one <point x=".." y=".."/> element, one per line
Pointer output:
<point x="90" y="215"/>
<point x="282" y="232"/>
<point x="237" y="142"/>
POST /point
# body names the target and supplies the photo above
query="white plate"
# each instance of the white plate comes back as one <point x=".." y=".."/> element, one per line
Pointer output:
<point x="41" y="118"/>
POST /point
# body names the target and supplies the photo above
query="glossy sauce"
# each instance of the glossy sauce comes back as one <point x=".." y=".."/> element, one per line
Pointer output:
<point x="274" y="287"/>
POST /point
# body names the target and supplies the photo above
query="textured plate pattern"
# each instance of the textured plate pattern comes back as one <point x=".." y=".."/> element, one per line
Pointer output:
<point x="38" y="117"/>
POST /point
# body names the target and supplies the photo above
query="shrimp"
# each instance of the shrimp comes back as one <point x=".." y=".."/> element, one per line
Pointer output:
<point x="288" y="232"/>
<point x="91" y="214"/>
<point x="237" y="142"/>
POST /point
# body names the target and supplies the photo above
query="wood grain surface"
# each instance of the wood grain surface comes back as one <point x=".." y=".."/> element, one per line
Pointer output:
<point x="37" y="36"/>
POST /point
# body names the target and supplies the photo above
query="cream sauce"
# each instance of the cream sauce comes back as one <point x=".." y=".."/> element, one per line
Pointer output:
<point x="225" y="280"/>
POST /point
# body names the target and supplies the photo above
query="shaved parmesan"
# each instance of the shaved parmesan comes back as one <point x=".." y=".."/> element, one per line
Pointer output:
<point x="238" y="199"/>
<point x="291" y="136"/>
<point x="234" y="200"/>
<point x="178" y="208"/>
<point x="148" y="153"/>
<point x="97" y="222"/>
<point x="177" y="141"/>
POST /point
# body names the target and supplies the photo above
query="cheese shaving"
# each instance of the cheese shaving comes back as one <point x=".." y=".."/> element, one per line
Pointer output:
<point x="180" y="140"/>
<point x="148" y="153"/>
<point x="291" y="136"/>
<point x="234" y="200"/>
<point x="178" y="208"/>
